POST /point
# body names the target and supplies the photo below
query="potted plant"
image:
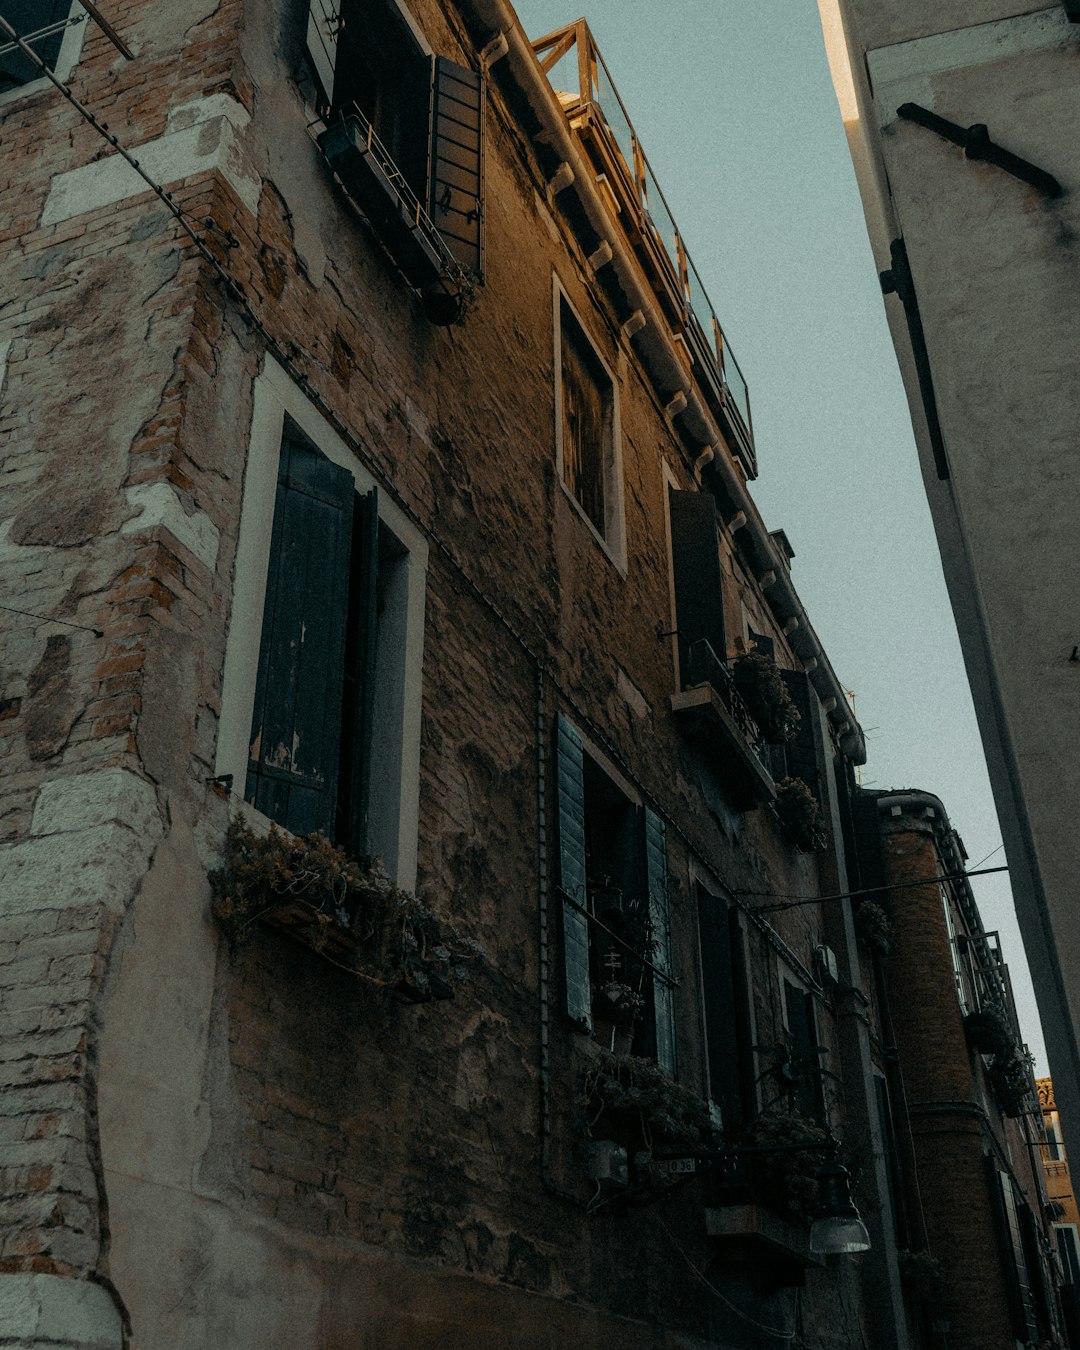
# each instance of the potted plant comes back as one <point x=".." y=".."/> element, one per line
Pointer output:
<point x="761" y="686"/>
<point x="798" y="812"/>
<point x="987" y="1029"/>
<point x="354" y="916"/>
<point x="874" y="927"/>
<point x="1009" y="1075"/>
<point x="785" y="1181"/>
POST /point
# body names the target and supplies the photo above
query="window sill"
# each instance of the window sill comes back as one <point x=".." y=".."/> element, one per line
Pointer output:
<point x="615" y="556"/>
<point x="702" y="713"/>
<point x="757" y="1233"/>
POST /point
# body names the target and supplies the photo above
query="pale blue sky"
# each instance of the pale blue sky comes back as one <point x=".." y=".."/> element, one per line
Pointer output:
<point x="734" y="107"/>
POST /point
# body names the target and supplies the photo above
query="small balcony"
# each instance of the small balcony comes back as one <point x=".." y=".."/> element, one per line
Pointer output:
<point x="594" y="110"/>
<point x="711" y="709"/>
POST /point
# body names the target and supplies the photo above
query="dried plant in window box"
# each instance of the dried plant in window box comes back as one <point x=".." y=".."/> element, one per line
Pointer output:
<point x="758" y="680"/>
<point x="798" y="812"/>
<point x="354" y="916"/>
<point x="988" y="1030"/>
<point x="874" y="927"/>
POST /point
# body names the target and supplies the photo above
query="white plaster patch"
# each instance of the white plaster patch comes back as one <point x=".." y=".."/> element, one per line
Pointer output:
<point x="80" y="870"/>
<point x="633" y="695"/>
<point x="905" y="71"/>
<point x="50" y="1310"/>
<point x="203" y="109"/>
<point x="158" y="504"/>
<point x="111" y="796"/>
<point x="198" y="148"/>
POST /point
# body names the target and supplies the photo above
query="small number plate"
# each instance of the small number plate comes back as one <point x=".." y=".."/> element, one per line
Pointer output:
<point x="677" y="1167"/>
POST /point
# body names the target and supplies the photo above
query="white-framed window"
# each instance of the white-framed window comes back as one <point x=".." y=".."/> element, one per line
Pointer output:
<point x="588" y="447"/>
<point x="1069" y="1250"/>
<point x="53" y="28"/>
<point x="320" y="710"/>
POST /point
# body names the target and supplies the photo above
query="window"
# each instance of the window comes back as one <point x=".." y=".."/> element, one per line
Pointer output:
<point x="725" y="993"/>
<point x="50" y="28"/>
<point x="587" y="432"/>
<point x="320" y="702"/>
<point x="613" y="877"/>
<point x="405" y="139"/>
<point x="805" y="1054"/>
<point x="1069" y="1251"/>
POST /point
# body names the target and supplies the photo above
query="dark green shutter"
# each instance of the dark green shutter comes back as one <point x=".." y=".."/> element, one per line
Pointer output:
<point x="358" y="702"/>
<point x="457" y="120"/>
<point x="570" y="777"/>
<point x="324" y="20"/>
<point x="699" y="593"/>
<point x="663" y="993"/>
<point x="296" y="726"/>
<point x="804" y="753"/>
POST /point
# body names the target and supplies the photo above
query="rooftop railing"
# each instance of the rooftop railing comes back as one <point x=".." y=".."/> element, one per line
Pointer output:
<point x="576" y="71"/>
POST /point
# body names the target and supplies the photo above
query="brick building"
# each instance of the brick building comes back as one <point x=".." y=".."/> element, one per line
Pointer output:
<point x="375" y="464"/>
<point x="1063" y="1208"/>
<point x="957" y="1093"/>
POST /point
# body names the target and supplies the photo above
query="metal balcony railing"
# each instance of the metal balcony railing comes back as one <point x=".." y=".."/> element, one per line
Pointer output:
<point x="705" y="667"/>
<point x="576" y="71"/>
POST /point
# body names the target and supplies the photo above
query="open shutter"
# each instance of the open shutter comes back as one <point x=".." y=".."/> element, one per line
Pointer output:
<point x="324" y="22"/>
<point x="809" y="1093"/>
<point x="456" y="200"/>
<point x="804" y="753"/>
<point x="1012" y="1252"/>
<point x="358" y="699"/>
<point x="296" y="727"/>
<point x="663" y="994"/>
<point x="720" y="998"/>
<point x="569" y="767"/>
<point x="699" y="594"/>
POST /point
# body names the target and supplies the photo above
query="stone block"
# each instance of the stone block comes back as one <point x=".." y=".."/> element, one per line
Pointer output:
<point x="48" y="1310"/>
<point x="102" y="797"/>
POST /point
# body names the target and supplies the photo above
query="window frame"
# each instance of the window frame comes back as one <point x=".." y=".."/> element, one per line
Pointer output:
<point x="395" y="754"/>
<point x="613" y="538"/>
<point x="66" y="58"/>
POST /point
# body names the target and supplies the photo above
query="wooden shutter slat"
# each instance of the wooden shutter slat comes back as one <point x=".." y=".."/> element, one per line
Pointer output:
<point x="359" y="684"/>
<point x="293" y="766"/>
<point x="457" y="141"/>
<point x="570" y="778"/>
<point x="699" y="593"/>
<point x="663" y="993"/>
<point x="719" y="998"/>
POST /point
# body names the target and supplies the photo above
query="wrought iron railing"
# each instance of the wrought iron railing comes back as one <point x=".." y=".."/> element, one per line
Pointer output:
<point x="576" y="70"/>
<point x="705" y="667"/>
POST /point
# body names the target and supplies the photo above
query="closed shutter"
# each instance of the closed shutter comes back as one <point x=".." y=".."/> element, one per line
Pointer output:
<point x="699" y="595"/>
<point x="804" y="753"/>
<point x="296" y="727"/>
<point x="358" y="697"/>
<point x="663" y="993"/>
<point x="569" y="767"/>
<point x="457" y="161"/>
<point x="324" y="22"/>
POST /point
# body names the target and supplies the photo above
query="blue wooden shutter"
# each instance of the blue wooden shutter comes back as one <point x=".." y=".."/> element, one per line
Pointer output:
<point x="358" y="699"/>
<point x="456" y="196"/>
<point x="296" y="727"/>
<point x="699" y="593"/>
<point x="663" y="993"/>
<point x="569" y="767"/>
<point x="324" y="21"/>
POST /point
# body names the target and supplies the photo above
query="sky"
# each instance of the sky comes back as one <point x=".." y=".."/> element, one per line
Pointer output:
<point x="734" y="107"/>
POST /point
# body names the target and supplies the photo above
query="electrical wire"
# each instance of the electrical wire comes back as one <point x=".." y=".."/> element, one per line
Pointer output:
<point x="794" y="901"/>
<point x="704" y="1279"/>
<point x="48" y="618"/>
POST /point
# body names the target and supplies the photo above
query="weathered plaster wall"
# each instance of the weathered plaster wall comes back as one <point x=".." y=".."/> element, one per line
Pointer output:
<point x="248" y="1155"/>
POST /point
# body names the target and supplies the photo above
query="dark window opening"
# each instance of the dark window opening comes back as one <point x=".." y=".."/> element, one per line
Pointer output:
<point x="616" y="939"/>
<point x="805" y="1054"/>
<point x="310" y="743"/>
<point x="586" y="421"/>
<point x="726" y="1003"/>
<point x="41" y="24"/>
